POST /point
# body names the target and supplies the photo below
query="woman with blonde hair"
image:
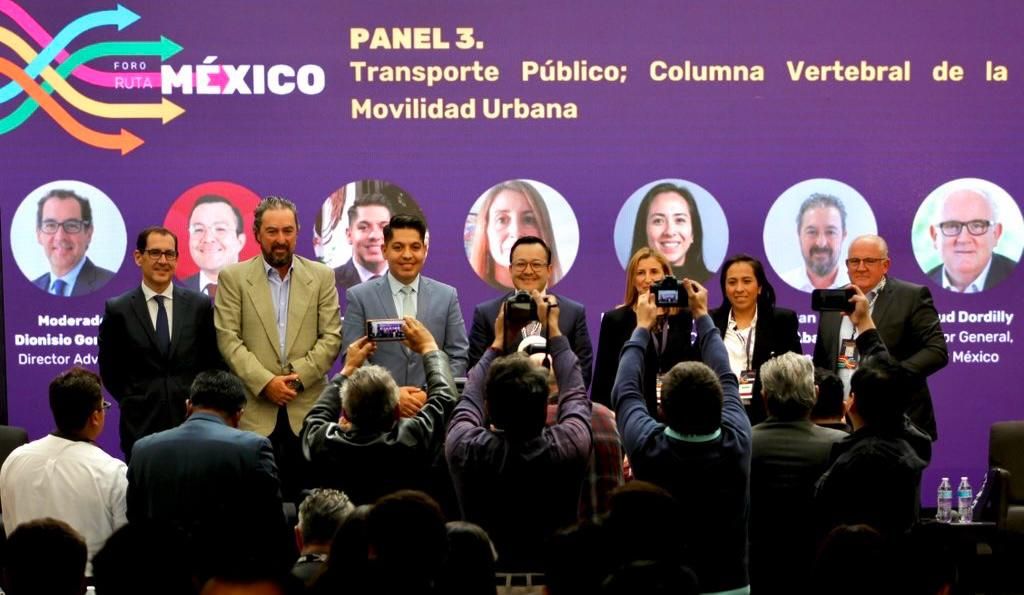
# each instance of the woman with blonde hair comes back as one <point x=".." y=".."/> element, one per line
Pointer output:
<point x="670" y="337"/>
<point x="510" y="210"/>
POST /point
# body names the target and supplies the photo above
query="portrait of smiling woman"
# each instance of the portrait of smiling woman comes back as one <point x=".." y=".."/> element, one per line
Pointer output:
<point x="668" y="221"/>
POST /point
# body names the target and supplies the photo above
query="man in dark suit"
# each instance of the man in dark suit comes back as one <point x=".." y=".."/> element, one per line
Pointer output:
<point x="367" y="218"/>
<point x="64" y="229"/>
<point x="219" y="483"/>
<point x="215" y="239"/>
<point x="530" y="265"/>
<point x="965" y="233"/>
<point x="147" y="359"/>
<point x="907" y="323"/>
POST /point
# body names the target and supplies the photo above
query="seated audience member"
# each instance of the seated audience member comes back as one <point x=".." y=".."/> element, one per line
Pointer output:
<point x="157" y="555"/>
<point x="520" y="480"/>
<point x="643" y="522"/>
<point x="651" y="578"/>
<point x="375" y="453"/>
<point x="65" y="475"/>
<point x="853" y="560"/>
<point x="829" y="409"/>
<point x="347" y="563"/>
<point x="45" y="557"/>
<point x="255" y="581"/>
<point x="320" y="515"/>
<point x="605" y="467"/>
<point x="884" y="453"/>
<point x="469" y="568"/>
<point x="532" y="270"/>
<point x="216" y="481"/>
<point x="408" y="543"/>
<point x="577" y="559"/>
<point x="788" y="455"/>
<point x="702" y="455"/>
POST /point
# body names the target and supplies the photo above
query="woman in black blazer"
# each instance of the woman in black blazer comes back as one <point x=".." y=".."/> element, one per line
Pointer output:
<point x="670" y="338"/>
<point x="749" y="297"/>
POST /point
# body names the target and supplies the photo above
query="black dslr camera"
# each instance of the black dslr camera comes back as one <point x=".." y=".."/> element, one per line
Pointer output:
<point x="520" y="310"/>
<point x="667" y="292"/>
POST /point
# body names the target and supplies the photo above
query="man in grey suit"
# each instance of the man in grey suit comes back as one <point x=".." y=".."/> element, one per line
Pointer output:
<point x="64" y="229"/>
<point x="404" y="292"/>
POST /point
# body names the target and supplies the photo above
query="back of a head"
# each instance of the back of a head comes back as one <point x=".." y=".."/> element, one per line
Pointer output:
<point x="347" y="560"/>
<point x="577" y="559"/>
<point x="852" y="559"/>
<point x="516" y="393"/>
<point x="369" y="398"/>
<point x="651" y="577"/>
<point x="252" y="581"/>
<point x="469" y="569"/>
<point x="829" y="404"/>
<point x="151" y="553"/>
<point x="218" y="390"/>
<point x="45" y="557"/>
<point x="407" y="533"/>
<point x="321" y="513"/>
<point x="787" y="381"/>
<point x="691" y="399"/>
<point x="645" y="522"/>
<point x="881" y="391"/>
<point x="74" y="396"/>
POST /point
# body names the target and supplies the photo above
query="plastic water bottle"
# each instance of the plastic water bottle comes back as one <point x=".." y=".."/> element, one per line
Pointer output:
<point x="965" y="500"/>
<point x="944" y="502"/>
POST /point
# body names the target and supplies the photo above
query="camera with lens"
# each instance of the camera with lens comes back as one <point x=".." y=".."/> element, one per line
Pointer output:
<point x="520" y="311"/>
<point x="666" y="292"/>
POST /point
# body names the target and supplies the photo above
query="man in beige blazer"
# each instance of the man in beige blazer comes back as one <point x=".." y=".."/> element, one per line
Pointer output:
<point x="279" y="330"/>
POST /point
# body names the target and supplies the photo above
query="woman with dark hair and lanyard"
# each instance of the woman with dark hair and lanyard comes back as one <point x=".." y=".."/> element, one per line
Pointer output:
<point x="670" y="338"/>
<point x="753" y="329"/>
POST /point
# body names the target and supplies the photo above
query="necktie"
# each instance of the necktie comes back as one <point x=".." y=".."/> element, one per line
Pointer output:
<point x="163" y="330"/>
<point x="408" y="303"/>
<point x="211" y="290"/>
<point x="58" y="287"/>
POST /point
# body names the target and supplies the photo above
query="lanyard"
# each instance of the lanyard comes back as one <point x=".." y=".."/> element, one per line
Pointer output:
<point x="746" y="343"/>
<point x="659" y="345"/>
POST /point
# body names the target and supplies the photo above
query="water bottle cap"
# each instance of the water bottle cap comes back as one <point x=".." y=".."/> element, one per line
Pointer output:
<point x="963" y="478"/>
<point x="945" y="479"/>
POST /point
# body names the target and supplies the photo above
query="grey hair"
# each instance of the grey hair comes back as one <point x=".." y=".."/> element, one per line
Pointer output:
<point x="882" y="244"/>
<point x="984" y="194"/>
<point x="787" y="382"/>
<point x="820" y="201"/>
<point x="272" y="203"/>
<point x="369" y="397"/>
<point x="321" y="513"/>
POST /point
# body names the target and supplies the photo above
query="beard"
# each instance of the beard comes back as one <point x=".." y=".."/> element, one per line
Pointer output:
<point x="821" y="268"/>
<point x="276" y="260"/>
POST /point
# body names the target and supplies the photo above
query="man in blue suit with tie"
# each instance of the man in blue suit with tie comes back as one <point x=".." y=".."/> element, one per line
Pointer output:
<point x="403" y="291"/>
<point x="64" y="229"/>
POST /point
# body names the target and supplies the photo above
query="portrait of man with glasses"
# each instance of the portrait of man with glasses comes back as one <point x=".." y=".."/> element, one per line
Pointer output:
<point x="216" y="237"/>
<point x="965" y="231"/>
<point x="154" y="340"/>
<point x="64" y="228"/>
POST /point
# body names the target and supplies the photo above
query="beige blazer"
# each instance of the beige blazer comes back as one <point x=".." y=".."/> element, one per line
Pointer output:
<point x="248" y="339"/>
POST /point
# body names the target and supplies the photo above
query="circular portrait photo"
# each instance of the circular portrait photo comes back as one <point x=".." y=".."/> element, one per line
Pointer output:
<point x="809" y="229"/>
<point x="68" y="238"/>
<point x="968" y="235"/>
<point x="679" y="219"/>
<point x="348" y="234"/>
<point x="214" y="221"/>
<point x="511" y="210"/>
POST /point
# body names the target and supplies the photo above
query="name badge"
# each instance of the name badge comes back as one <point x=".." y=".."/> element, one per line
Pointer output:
<point x="847" y="355"/>
<point x="746" y="379"/>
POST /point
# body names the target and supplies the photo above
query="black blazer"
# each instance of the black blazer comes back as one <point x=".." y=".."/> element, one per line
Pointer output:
<point x="616" y="328"/>
<point x="151" y="388"/>
<point x="776" y="333"/>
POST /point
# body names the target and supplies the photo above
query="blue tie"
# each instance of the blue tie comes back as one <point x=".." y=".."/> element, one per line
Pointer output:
<point x="163" y="330"/>
<point x="58" y="287"/>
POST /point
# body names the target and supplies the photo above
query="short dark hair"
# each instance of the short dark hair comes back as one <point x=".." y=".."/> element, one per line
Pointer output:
<point x="321" y="513"/>
<point x="218" y="390"/>
<point x="405" y="222"/>
<point x="765" y="299"/>
<point x="830" y="395"/>
<point x="273" y="203"/>
<point x="820" y="201"/>
<point x="516" y="393"/>
<point x="525" y="240"/>
<point x="691" y="398"/>
<point x="209" y="199"/>
<point x="83" y="204"/>
<point x="407" y="531"/>
<point x="372" y="199"/>
<point x="157" y="554"/>
<point x="143" y="238"/>
<point x="881" y="389"/>
<point x="45" y="556"/>
<point x="74" y="396"/>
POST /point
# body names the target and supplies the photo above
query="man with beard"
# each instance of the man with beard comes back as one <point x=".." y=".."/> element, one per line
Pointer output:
<point x="821" y="229"/>
<point x="279" y="329"/>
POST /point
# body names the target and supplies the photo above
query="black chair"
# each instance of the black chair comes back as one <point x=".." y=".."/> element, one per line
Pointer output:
<point x="1006" y="460"/>
<point x="11" y="437"/>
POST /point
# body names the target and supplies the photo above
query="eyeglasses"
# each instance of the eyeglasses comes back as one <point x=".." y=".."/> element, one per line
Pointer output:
<point x="536" y="265"/>
<point x="154" y="254"/>
<point x="104" y="405"/>
<point x="71" y="226"/>
<point x="976" y="227"/>
<point x="868" y="262"/>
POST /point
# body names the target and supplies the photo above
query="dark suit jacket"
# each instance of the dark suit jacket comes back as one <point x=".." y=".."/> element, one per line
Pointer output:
<point x="192" y="283"/>
<point x="346" y="275"/>
<point x="90" y="278"/>
<point x="775" y="334"/>
<point x="908" y="325"/>
<point x="1000" y="270"/>
<point x="616" y="328"/>
<point x="572" y="322"/>
<point x="217" y="482"/>
<point x="151" y="388"/>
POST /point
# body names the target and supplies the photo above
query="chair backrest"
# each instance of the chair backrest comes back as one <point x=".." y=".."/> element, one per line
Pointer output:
<point x="1006" y="450"/>
<point x="11" y="437"/>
